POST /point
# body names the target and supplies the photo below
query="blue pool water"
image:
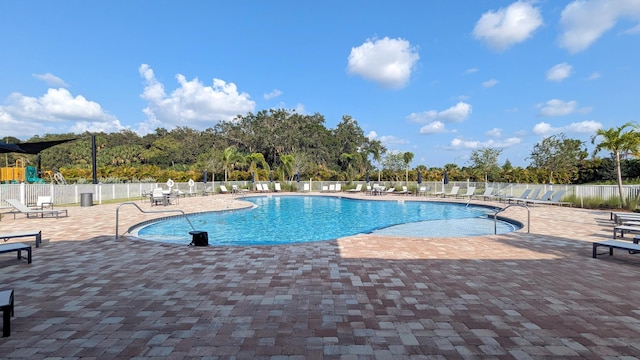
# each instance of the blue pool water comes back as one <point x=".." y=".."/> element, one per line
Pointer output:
<point x="292" y="219"/>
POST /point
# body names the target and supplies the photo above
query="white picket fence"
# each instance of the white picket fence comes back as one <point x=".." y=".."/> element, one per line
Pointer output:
<point x="73" y="193"/>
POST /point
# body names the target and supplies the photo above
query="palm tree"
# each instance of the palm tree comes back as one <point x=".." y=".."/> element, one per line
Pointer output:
<point x="377" y="150"/>
<point x="407" y="157"/>
<point x="229" y="158"/>
<point x="618" y="141"/>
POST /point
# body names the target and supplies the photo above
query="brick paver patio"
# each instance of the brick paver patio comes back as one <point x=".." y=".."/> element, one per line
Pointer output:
<point x="521" y="295"/>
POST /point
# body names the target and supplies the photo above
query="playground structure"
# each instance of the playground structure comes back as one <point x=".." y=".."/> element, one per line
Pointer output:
<point x="20" y="173"/>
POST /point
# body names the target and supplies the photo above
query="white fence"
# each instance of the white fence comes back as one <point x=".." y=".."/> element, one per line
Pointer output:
<point x="72" y="194"/>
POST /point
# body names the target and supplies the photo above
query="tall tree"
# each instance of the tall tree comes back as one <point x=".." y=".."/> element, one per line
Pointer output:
<point x="559" y="155"/>
<point x="618" y="140"/>
<point x="230" y="157"/>
<point x="407" y="157"/>
<point x="486" y="161"/>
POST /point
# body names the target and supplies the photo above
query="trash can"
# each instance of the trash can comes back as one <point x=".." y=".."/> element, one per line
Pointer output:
<point x="200" y="238"/>
<point x="86" y="199"/>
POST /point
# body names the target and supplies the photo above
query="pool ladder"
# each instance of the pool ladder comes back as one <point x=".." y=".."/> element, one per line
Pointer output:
<point x="149" y="212"/>
<point x="495" y="217"/>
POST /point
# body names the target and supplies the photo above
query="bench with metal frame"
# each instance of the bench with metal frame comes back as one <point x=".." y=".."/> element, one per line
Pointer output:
<point x="17" y="247"/>
<point x="6" y="305"/>
<point x="36" y="233"/>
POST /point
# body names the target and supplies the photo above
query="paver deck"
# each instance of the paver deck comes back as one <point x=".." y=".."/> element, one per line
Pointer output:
<point x="521" y="295"/>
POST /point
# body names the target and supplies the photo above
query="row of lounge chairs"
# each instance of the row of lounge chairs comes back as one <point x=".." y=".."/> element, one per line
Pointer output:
<point x="623" y="223"/>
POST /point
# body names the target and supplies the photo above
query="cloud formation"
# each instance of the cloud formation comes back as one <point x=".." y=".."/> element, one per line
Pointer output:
<point x="388" y="62"/>
<point x="583" y="127"/>
<point x="458" y="143"/>
<point x="559" y="72"/>
<point x="192" y="104"/>
<point x="274" y="94"/>
<point x="508" y="26"/>
<point x="57" y="111"/>
<point x="584" y="21"/>
<point x="557" y="107"/>
<point x="50" y="79"/>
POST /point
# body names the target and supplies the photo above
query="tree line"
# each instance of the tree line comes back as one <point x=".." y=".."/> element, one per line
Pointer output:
<point x="280" y="144"/>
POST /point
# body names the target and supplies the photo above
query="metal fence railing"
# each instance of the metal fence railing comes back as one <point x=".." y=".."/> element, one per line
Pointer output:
<point x="72" y="193"/>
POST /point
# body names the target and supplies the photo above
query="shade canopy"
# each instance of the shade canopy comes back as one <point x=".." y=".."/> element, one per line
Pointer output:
<point x="446" y="177"/>
<point x="419" y="177"/>
<point x="30" y="148"/>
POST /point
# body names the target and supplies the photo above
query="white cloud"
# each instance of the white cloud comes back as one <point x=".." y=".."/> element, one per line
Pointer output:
<point x="508" y="26"/>
<point x="471" y="71"/>
<point x="388" y="62"/>
<point x="458" y="143"/>
<point x="556" y="107"/>
<point x="595" y="75"/>
<point x="57" y="111"/>
<point x="392" y="140"/>
<point x="274" y="94"/>
<point x="372" y="135"/>
<point x="457" y="113"/>
<point x="633" y="31"/>
<point x="433" y="127"/>
<point x="494" y="133"/>
<point x="583" y="127"/>
<point x="490" y="83"/>
<point x="192" y="104"/>
<point x="50" y="79"/>
<point x="584" y="21"/>
<point x="559" y="72"/>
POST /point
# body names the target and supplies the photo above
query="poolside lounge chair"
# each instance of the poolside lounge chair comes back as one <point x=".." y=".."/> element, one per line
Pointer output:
<point x="554" y="200"/>
<point x="357" y="189"/>
<point x="390" y="190"/>
<point x="223" y="189"/>
<point x="524" y="196"/>
<point x="332" y="188"/>
<point x="470" y="191"/>
<point x="23" y="209"/>
<point x="42" y="202"/>
<point x="523" y="199"/>
<point x="422" y="190"/>
<point x="545" y="197"/>
<point x="325" y="188"/>
<point x="338" y="187"/>
<point x="453" y="192"/>
<point x="276" y="187"/>
<point x="488" y="192"/>
<point x="404" y="191"/>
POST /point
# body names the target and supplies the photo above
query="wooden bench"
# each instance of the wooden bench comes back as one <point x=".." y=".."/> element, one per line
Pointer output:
<point x="37" y="234"/>
<point x="18" y="247"/>
<point x="633" y="248"/>
<point x="6" y="305"/>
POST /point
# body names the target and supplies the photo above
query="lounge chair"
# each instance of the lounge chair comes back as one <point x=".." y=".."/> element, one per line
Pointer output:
<point x="276" y="187"/>
<point x="522" y="199"/>
<point x="422" y="190"/>
<point x="332" y="188"/>
<point x="488" y="192"/>
<point x="545" y="197"/>
<point x="259" y="187"/>
<point x="23" y="209"/>
<point x="223" y="189"/>
<point x="305" y="187"/>
<point x="453" y="192"/>
<point x="325" y="188"/>
<point x="369" y="190"/>
<point x="390" y="190"/>
<point x="42" y="202"/>
<point x="404" y="191"/>
<point x="524" y="196"/>
<point x="338" y="187"/>
<point x="357" y="189"/>
<point x="554" y="200"/>
<point x="632" y="248"/>
<point x="470" y="191"/>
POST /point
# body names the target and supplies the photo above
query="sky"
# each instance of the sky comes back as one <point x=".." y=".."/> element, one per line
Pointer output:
<point x="437" y="78"/>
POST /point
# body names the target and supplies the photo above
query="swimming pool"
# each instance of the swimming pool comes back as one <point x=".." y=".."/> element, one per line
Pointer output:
<point x="292" y="219"/>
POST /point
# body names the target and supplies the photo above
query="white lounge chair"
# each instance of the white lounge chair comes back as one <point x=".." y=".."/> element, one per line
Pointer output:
<point x="358" y="188"/>
<point x="470" y="191"/>
<point x="276" y="187"/>
<point x="24" y="209"/>
<point x="488" y="192"/>
<point x="544" y="197"/>
<point x="422" y="190"/>
<point x="223" y="189"/>
<point x="404" y="191"/>
<point x="338" y="187"/>
<point x="453" y="192"/>
<point x="524" y="196"/>
<point x="554" y="200"/>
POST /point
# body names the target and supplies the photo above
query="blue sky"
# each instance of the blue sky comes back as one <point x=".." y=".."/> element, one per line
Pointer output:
<point x="437" y="78"/>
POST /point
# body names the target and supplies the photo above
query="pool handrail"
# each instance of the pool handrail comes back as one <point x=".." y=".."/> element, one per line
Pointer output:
<point x="495" y="221"/>
<point x="149" y="212"/>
